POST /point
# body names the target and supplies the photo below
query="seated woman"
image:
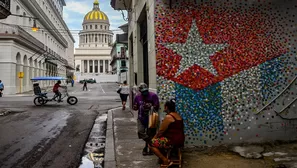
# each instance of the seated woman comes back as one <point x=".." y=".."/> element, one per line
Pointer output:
<point x="171" y="133"/>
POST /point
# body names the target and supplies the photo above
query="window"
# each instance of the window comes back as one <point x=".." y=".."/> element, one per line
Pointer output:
<point x="17" y="12"/>
<point x="96" y="27"/>
<point x="105" y="27"/>
<point x="90" y="26"/>
<point x="91" y="66"/>
<point x="101" y="66"/>
<point x="100" y="26"/>
<point x="24" y="19"/>
<point x="86" y="26"/>
<point x="123" y="63"/>
<point x="96" y="66"/>
<point x="106" y="66"/>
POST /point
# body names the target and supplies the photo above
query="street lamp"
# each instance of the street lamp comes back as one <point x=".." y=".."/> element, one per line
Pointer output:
<point x="34" y="28"/>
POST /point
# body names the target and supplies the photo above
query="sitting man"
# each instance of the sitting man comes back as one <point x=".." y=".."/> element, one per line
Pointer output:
<point x="171" y="133"/>
<point x="37" y="90"/>
<point x="56" y="90"/>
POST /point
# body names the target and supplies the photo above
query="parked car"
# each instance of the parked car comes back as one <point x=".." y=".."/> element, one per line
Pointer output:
<point x="91" y="80"/>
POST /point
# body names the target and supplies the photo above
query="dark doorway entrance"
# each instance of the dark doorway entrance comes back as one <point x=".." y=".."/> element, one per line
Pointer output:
<point x="144" y="42"/>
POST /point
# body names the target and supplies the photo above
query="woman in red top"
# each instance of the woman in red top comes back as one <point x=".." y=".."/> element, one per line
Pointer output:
<point x="171" y="133"/>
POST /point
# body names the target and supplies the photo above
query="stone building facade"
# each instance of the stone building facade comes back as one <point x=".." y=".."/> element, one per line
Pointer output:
<point x="46" y="52"/>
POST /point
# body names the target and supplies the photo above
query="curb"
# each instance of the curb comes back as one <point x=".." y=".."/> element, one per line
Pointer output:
<point x="19" y="95"/>
<point x="109" y="156"/>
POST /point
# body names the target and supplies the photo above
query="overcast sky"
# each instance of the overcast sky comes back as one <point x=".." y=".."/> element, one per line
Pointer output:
<point x="75" y="10"/>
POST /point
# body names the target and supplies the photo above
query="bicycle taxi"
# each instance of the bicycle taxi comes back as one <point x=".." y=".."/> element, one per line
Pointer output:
<point x="41" y="98"/>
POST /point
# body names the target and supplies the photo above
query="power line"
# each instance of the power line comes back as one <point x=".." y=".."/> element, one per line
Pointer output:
<point x="59" y="30"/>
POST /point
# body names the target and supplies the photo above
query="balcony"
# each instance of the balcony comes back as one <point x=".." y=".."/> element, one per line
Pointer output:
<point x="121" y="4"/>
<point x="122" y="38"/>
<point x="4" y="9"/>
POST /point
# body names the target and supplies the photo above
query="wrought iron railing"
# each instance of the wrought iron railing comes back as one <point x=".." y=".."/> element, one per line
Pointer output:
<point x="278" y="97"/>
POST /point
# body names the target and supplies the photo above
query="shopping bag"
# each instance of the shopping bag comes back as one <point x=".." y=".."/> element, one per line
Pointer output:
<point x="153" y="119"/>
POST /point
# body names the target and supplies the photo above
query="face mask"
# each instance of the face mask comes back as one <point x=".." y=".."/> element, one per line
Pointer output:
<point x="145" y="93"/>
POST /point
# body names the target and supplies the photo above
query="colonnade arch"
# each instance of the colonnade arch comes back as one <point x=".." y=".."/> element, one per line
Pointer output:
<point x="19" y="68"/>
<point x="31" y="68"/>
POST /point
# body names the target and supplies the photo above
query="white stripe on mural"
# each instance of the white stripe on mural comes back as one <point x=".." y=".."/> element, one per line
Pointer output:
<point x="241" y="96"/>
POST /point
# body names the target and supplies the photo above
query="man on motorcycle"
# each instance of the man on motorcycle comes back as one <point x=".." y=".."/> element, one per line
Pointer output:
<point x="56" y="90"/>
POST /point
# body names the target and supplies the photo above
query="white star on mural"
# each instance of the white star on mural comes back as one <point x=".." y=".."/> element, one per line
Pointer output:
<point x="194" y="51"/>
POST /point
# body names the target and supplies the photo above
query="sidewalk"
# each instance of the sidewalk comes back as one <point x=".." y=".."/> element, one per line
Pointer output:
<point x="124" y="150"/>
<point x="127" y="148"/>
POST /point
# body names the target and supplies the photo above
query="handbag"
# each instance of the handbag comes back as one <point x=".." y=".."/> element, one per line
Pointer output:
<point x="119" y="90"/>
<point x="153" y="119"/>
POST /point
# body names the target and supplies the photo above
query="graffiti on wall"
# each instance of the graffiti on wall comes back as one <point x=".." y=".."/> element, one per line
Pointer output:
<point x="224" y="62"/>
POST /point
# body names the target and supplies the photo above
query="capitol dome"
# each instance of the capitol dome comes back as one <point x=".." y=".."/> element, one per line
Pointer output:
<point x="96" y="29"/>
<point x="96" y="16"/>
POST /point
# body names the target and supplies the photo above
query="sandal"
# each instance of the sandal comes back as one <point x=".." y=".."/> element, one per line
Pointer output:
<point x="166" y="166"/>
<point x="145" y="152"/>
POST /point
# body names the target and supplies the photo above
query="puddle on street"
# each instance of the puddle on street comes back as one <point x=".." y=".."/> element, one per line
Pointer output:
<point x="92" y="160"/>
<point x="94" y="148"/>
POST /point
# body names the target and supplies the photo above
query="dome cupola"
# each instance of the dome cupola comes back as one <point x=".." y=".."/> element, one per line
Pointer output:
<point x="96" y="16"/>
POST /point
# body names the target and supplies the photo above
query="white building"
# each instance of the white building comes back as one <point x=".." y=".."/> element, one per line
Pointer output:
<point x="93" y="55"/>
<point x="119" y="53"/>
<point x="141" y="35"/>
<point x="46" y="52"/>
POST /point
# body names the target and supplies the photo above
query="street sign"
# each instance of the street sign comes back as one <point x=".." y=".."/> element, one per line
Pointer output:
<point x="21" y="74"/>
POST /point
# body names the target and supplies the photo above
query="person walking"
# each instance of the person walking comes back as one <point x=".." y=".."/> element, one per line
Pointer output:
<point x="124" y="93"/>
<point x="143" y="102"/>
<point x="72" y="82"/>
<point x="85" y="85"/>
<point x="1" y="88"/>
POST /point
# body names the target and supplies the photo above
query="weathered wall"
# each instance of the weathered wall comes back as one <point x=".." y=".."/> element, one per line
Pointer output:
<point x="224" y="61"/>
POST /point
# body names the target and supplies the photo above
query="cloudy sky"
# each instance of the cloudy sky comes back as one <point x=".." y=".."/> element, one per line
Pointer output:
<point x="75" y="10"/>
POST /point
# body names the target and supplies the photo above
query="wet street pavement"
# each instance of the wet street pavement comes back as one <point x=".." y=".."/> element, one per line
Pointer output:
<point x="53" y="135"/>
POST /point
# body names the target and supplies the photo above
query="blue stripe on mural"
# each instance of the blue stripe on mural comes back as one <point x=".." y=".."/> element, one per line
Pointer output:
<point x="273" y="79"/>
<point x="201" y="112"/>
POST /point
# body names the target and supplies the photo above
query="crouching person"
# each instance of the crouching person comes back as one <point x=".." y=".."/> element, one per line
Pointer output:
<point x="171" y="133"/>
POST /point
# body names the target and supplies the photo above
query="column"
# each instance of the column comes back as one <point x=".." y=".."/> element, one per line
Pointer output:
<point x="88" y="68"/>
<point x="81" y="66"/>
<point x="103" y="66"/>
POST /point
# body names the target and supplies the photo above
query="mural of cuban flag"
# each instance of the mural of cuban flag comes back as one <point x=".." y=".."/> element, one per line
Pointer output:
<point x="224" y="62"/>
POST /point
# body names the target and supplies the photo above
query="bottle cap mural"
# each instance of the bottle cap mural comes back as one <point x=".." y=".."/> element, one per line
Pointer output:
<point x="223" y="62"/>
